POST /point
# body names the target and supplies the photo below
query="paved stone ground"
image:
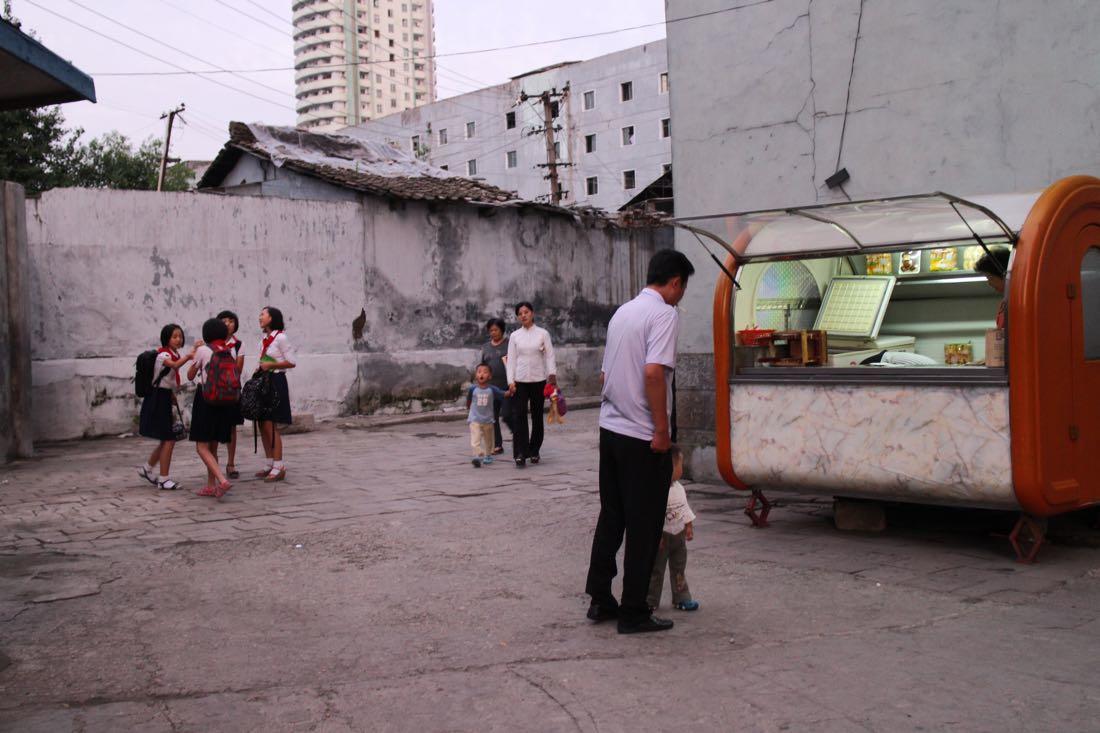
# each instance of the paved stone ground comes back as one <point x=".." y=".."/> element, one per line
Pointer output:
<point x="388" y="585"/>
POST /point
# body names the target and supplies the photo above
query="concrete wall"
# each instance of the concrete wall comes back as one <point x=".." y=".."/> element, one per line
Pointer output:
<point x="492" y="140"/>
<point x="385" y="305"/>
<point x="975" y="97"/>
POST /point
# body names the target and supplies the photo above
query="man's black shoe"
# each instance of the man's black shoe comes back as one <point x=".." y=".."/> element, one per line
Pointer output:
<point x="598" y="613"/>
<point x="640" y="627"/>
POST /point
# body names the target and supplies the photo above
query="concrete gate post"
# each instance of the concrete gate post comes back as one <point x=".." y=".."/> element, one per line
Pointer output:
<point x="15" y="334"/>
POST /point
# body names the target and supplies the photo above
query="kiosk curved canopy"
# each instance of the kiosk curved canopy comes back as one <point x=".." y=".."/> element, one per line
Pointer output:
<point x="879" y="224"/>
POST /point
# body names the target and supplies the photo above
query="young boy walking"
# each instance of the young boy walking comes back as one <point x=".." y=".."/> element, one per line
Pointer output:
<point x="679" y="529"/>
<point x="480" y="401"/>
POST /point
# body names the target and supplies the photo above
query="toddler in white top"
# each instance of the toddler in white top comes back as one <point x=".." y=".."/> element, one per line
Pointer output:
<point x="679" y="529"/>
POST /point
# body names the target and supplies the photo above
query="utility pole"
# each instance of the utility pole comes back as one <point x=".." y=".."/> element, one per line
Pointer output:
<point x="549" y="128"/>
<point x="171" y="115"/>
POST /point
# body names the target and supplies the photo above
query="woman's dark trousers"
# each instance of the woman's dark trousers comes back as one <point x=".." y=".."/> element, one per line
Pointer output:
<point x="528" y="400"/>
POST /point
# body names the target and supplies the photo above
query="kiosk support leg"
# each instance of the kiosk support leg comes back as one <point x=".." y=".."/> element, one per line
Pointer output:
<point x="759" y="518"/>
<point x="1027" y="537"/>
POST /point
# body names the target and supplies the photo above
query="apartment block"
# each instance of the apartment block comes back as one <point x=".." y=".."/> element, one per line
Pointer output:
<point x="612" y="129"/>
<point x="358" y="60"/>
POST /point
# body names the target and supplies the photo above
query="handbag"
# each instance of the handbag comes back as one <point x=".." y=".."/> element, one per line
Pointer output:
<point x="179" y="427"/>
<point x="259" y="400"/>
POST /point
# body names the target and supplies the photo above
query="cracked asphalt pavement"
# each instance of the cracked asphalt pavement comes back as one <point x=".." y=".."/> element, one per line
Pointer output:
<point x="388" y="585"/>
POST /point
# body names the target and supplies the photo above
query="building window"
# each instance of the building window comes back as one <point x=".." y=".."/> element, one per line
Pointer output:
<point x="592" y="186"/>
<point x="469" y="130"/>
<point x="445" y="167"/>
<point x="442" y="135"/>
<point x="416" y="144"/>
<point x="662" y="83"/>
<point x="511" y="159"/>
<point x="628" y="135"/>
<point x="626" y="91"/>
<point x="666" y="127"/>
<point x="555" y="108"/>
<point x="510" y="120"/>
<point x="1090" y="301"/>
<point x="590" y="143"/>
<point x="589" y="100"/>
<point x="471" y="167"/>
<point x="557" y="149"/>
<point x="628" y="180"/>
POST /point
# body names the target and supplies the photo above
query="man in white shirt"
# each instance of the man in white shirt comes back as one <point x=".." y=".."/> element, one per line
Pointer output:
<point x="635" y="466"/>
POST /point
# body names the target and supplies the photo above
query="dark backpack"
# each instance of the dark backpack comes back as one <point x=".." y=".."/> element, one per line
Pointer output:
<point x="222" y="380"/>
<point x="143" y="372"/>
<point x="259" y="400"/>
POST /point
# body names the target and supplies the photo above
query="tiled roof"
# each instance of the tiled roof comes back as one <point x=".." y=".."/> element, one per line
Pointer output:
<point x="349" y="163"/>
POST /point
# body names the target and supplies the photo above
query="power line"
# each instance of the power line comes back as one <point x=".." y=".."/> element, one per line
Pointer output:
<point x="169" y="46"/>
<point x="470" y="52"/>
<point x="203" y="75"/>
<point x="276" y="16"/>
<point x="235" y="34"/>
<point x="261" y="21"/>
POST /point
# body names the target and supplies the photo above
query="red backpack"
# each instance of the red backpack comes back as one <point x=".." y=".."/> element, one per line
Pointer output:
<point x="222" y="385"/>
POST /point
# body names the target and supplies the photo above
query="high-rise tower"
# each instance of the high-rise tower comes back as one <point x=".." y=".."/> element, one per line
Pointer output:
<point x="355" y="60"/>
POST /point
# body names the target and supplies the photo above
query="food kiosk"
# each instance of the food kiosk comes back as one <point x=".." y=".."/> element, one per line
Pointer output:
<point x="953" y="425"/>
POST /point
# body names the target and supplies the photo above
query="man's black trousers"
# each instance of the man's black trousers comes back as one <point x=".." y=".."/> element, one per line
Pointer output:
<point x="529" y="400"/>
<point x="634" y="485"/>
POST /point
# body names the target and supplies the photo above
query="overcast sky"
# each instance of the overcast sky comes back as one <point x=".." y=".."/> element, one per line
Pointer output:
<point x="219" y="33"/>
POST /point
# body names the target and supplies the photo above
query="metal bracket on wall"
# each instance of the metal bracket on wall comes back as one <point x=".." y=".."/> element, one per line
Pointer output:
<point x="759" y="518"/>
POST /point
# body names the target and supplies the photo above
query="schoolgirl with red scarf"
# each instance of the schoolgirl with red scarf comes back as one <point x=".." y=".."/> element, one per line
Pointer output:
<point x="229" y="318"/>
<point x="157" y="415"/>
<point x="276" y="356"/>
<point x="211" y="424"/>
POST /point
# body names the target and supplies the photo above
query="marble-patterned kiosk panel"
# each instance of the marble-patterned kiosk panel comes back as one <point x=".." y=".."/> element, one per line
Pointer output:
<point x="932" y="445"/>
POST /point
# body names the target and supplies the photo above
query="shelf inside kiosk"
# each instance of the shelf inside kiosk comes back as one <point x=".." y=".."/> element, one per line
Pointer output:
<point x="923" y="309"/>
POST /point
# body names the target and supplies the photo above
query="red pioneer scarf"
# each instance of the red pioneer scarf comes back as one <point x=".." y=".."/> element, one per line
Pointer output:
<point x="175" y="357"/>
<point x="268" y="340"/>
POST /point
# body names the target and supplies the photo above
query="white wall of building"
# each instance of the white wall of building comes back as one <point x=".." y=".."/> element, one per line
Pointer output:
<point x="492" y="140"/>
<point x="975" y="97"/>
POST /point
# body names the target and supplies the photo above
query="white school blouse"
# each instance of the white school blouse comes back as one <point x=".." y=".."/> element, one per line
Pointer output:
<point x="169" y="381"/>
<point x="280" y="350"/>
<point x="530" y="355"/>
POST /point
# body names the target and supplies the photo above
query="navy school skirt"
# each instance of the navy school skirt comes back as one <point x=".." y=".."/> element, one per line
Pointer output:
<point x="157" y="415"/>
<point x="210" y="423"/>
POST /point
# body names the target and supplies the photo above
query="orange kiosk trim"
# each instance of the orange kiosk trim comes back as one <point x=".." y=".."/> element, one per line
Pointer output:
<point x="1053" y="438"/>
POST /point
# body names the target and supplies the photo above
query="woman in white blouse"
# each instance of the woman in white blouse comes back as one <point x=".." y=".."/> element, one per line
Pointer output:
<point x="530" y="365"/>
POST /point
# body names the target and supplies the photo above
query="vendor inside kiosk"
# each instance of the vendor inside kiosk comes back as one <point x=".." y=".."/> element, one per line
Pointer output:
<point x="930" y="349"/>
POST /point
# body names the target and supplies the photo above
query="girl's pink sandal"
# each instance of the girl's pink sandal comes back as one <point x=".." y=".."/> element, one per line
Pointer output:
<point x="207" y="491"/>
<point x="221" y="489"/>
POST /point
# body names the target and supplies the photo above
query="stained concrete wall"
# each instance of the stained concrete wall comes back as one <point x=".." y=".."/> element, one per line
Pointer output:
<point x="386" y="304"/>
<point x="976" y="97"/>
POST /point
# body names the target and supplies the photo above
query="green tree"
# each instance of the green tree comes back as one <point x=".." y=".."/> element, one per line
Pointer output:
<point x="36" y="150"/>
<point x="110" y="162"/>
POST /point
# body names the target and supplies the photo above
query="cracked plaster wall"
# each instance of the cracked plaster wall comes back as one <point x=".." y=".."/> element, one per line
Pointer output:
<point x="985" y="96"/>
<point x="109" y="268"/>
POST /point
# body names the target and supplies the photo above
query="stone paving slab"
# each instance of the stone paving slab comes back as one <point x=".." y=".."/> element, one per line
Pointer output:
<point x="388" y="585"/>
